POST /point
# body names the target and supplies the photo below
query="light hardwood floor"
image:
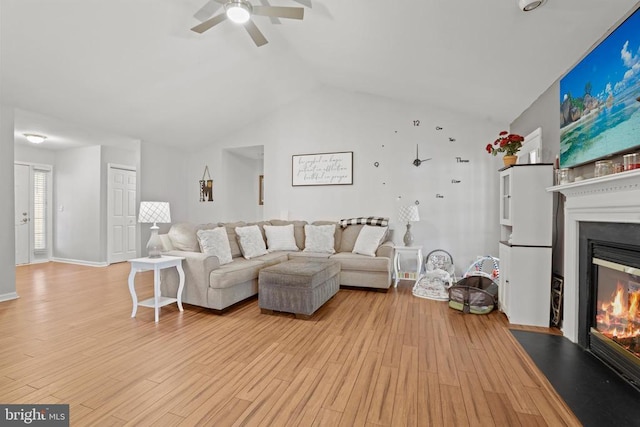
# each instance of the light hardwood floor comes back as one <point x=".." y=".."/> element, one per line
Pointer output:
<point x="365" y="358"/>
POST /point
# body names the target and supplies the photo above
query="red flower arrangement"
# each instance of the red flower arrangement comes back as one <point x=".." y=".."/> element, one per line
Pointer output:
<point x="507" y="143"/>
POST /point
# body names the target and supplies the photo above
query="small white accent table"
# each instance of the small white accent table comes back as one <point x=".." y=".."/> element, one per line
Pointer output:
<point x="412" y="250"/>
<point x="155" y="264"/>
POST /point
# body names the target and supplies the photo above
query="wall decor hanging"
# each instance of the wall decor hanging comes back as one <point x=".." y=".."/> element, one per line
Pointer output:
<point x="322" y="169"/>
<point x="206" y="186"/>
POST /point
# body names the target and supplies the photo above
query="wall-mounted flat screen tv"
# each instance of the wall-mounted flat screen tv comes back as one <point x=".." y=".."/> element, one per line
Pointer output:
<point x="600" y="99"/>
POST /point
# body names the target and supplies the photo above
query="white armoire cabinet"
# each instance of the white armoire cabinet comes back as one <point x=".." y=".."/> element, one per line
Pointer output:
<point x="525" y="243"/>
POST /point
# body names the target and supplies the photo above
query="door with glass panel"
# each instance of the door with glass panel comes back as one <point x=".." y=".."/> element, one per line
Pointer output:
<point x="32" y="192"/>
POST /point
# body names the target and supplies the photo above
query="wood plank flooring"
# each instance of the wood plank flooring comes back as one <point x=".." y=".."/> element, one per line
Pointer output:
<point x="364" y="359"/>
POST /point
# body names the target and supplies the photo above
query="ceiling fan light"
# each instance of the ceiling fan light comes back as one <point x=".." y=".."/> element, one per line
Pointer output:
<point x="238" y="12"/>
<point x="34" y="139"/>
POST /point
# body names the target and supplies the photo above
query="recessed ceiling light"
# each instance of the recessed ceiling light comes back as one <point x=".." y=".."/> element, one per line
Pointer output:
<point x="34" y="138"/>
<point x="529" y="5"/>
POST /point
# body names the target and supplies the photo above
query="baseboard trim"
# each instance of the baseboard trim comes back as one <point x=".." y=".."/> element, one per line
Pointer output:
<point x="80" y="262"/>
<point x="8" y="297"/>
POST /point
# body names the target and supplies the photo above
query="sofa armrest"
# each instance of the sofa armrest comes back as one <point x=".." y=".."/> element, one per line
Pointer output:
<point x="166" y="242"/>
<point x="385" y="250"/>
<point x="197" y="268"/>
<point x="197" y="264"/>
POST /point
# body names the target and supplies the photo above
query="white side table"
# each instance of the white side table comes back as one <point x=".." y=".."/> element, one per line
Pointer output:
<point x="408" y="275"/>
<point x="155" y="264"/>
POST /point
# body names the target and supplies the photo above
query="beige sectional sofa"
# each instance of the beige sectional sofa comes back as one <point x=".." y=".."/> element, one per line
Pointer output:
<point x="212" y="285"/>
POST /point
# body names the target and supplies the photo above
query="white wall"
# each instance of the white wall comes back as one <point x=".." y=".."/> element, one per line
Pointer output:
<point x="28" y="154"/>
<point x="77" y="227"/>
<point x="464" y="222"/>
<point x="7" y="228"/>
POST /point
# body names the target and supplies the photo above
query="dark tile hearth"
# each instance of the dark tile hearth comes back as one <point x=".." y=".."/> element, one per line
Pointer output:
<point x="596" y="394"/>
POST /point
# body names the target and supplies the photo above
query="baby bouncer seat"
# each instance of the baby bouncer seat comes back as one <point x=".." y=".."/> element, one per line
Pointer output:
<point x="438" y="277"/>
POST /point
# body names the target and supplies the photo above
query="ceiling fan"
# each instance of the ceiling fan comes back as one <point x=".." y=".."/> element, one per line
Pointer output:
<point x="240" y="12"/>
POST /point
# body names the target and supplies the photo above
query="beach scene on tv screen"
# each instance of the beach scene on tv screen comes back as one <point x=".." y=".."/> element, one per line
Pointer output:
<point x="600" y="99"/>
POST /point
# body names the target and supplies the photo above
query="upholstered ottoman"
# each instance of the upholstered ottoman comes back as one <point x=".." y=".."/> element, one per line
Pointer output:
<point x="298" y="286"/>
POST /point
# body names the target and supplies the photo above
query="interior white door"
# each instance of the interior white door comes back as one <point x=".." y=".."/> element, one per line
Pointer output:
<point x="22" y="217"/>
<point x="122" y="214"/>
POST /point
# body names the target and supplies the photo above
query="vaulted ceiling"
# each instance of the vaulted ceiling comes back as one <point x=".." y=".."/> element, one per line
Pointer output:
<point x="135" y="69"/>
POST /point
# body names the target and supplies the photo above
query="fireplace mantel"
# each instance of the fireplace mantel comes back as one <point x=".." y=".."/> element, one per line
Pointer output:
<point x="611" y="198"/>
<point x="623" y="181"/>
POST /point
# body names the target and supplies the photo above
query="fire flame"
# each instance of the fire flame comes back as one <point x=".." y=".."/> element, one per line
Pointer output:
<point x="618" y="318"/>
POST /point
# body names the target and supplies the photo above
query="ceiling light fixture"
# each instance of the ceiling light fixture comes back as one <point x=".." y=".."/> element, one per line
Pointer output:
<point x="529" y="5"/>
<point x="238" y="11"/>
<point x="34" y="138"/>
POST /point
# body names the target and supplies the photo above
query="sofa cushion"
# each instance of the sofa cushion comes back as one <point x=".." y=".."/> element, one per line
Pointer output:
<point x="183" y="237"/>
<point x="349" y="237"/>
<point x="215" y="242"/>
<point x="231" y="233"/>
<point x="306" y="255"/>
<point x="273" y="258"/>
<point x="319" y="238"/>
<point x="280" y="238"/>
<point x="369" y="239"/>
<point x="251" y="242"/>
<point x="337" y="236"/>
<point x="350" y="261"/>
<point x="239" y="271"/>
<point x="298" y="230"/>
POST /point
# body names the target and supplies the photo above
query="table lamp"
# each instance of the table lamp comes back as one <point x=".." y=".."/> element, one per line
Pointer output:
<point x="154" y="212"/>
<point x="408" y="214"/>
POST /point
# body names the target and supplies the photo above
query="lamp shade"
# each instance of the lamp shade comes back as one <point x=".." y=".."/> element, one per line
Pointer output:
<point x="153" y="212"/>
<point x="408" y="213"/>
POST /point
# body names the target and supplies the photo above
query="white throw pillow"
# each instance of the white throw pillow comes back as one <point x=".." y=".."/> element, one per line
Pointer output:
<point x="369" y="239"/>
<point x="251" y="241"/>
<point x="183" y="237"/>
<point x="319" y="238"/>
<point x="280" y="238"/>
<point x="215" y="242"/>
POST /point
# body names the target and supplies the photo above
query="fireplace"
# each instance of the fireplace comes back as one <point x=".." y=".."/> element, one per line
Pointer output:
<point x="601" y="221"/>
<point x="609" y="320"/>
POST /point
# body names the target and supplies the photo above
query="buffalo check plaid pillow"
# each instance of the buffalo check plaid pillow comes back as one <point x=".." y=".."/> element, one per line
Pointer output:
<point x="369" y="220"/>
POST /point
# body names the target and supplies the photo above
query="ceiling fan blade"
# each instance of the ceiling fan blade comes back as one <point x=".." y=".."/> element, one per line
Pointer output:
<point x="273" y="19"/>
<point x="304" y="2"/>
<point x="279" y="11"/>
<point x="201" y="28"/>
<point x="207" y="11"/>
<point x="254" y="32"/>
